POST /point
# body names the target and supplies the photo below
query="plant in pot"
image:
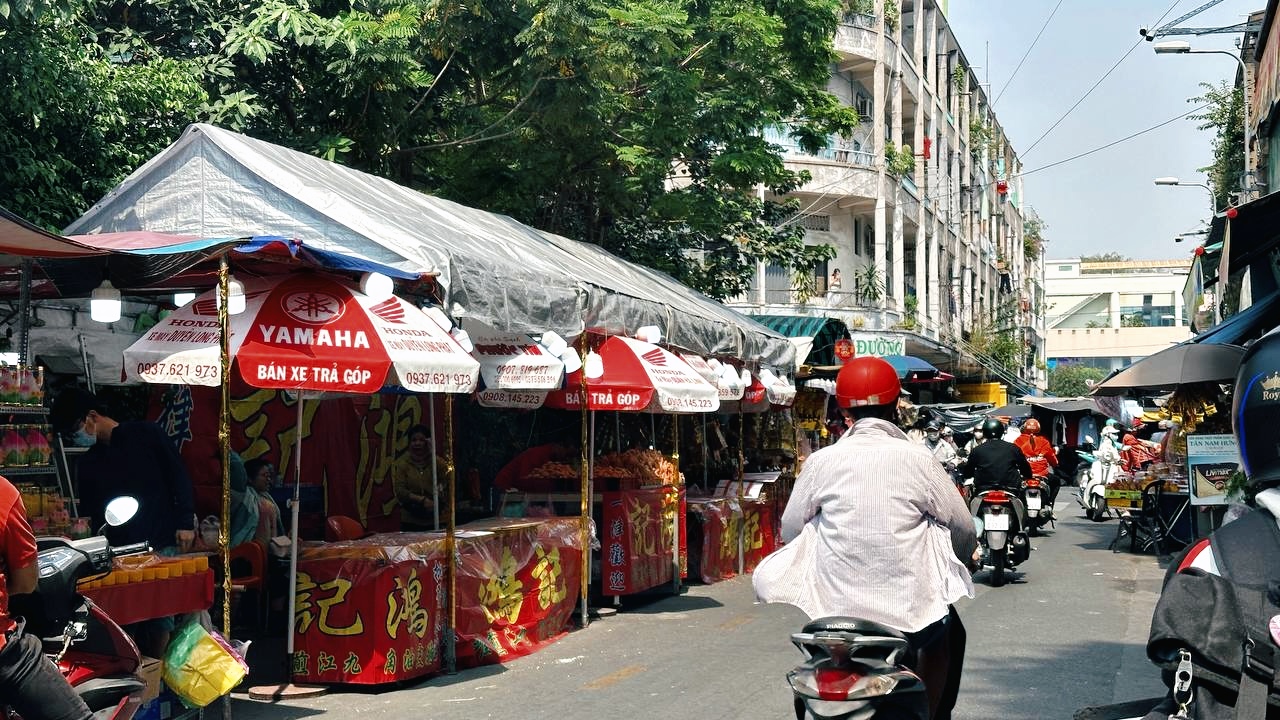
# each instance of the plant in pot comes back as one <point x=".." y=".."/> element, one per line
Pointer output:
<point x="910" y="306"/>
<point x="869" y="284"/>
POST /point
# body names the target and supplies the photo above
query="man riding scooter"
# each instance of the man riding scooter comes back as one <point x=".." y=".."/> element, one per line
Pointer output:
<point x="997" y="464"/>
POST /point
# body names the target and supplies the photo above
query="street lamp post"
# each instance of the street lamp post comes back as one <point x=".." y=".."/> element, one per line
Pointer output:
<point x="1175" y="182"/>
<point x="1181" y="47"/>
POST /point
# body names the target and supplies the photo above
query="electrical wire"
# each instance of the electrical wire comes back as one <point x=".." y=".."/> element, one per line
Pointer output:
<point x="944" y="196"/>
<point x="1096" y="84"/>
<point x="1009" y="82"/>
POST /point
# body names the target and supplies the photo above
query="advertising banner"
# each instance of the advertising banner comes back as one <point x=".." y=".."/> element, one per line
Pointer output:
<point x="1211" y="461"/>
<point x="639" y="532"/>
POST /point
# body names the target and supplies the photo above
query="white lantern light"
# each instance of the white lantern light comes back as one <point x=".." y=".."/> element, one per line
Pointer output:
<point x="651" y="334"/>
<point x="377" y="286"/>
<point x="235" y="296"/>
<point x="572" y="363"/>
<point x="183" y="299"/>
<point x="746" y="377"/>
<point x="594" y="366"/>
<point x="104" y="303"/>
<point x="554" y="344"/>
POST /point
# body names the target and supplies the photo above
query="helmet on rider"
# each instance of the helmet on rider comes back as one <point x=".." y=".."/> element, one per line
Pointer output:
<point x="867" y="381"/>
<point x="992" y="428"/>
<point x="1031" y="427"/>
<point x="868" y="387"/>
<point x="1255" y="411"/>
<point x="933" y="426"/>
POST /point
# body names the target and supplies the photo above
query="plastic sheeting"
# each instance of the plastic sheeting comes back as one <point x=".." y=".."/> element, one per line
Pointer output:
<point x="213" y="182"/>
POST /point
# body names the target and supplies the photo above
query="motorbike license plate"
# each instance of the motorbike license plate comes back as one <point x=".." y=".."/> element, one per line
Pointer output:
<point x="1033" y="502"/>
<point x="995" y="521"/>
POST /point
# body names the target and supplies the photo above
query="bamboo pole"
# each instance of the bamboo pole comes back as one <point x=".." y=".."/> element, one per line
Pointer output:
<point x="675" y="519"/>
<point x="742" y="496"/>
<point x="224" y="443"/>
<point x="435" y="480"/>
<point x="450" y="538"/>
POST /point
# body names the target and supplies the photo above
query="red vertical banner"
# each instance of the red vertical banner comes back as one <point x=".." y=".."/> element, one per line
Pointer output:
<point x="640" y="528"/>
<point x="367" y="621"/>
<point x="719" y="547"/>
<point x="517" y="586"/>
<point x="757" y="532"/>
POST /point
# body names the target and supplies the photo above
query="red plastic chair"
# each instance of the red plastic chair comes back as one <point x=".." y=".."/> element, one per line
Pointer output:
<point x="253" y="554"/>
<point x="341" y="527"/>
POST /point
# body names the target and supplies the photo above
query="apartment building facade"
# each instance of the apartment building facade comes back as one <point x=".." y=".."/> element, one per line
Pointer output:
<point x="924" y="204"/>
<point x="1108" y="314"/>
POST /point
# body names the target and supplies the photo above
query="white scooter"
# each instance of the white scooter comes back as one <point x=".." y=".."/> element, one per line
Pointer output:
<point x="1091" y="492"/>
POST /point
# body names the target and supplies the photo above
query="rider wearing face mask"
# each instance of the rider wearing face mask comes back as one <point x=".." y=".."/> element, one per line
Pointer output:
<point x="943" y="451"/>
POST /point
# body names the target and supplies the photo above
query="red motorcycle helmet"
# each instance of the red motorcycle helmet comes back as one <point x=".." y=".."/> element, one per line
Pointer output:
<point x="867" y="381"/>
<point x="1031" y="427"/>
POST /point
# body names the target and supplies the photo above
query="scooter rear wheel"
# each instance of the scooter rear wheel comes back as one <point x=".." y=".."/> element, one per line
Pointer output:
<point x="999" y="563"/>
<point x="1098" y="505"/>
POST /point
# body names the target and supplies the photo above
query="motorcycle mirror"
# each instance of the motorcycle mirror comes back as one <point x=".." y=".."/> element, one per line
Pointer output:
<point x="121" y="510"/>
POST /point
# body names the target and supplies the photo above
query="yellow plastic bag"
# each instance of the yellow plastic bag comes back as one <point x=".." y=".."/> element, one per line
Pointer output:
<point x="201" y="667"/>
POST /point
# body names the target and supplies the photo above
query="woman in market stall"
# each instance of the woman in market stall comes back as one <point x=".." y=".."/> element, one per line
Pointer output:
<point x="411" y="477"/>
<point x="261" y="474"/>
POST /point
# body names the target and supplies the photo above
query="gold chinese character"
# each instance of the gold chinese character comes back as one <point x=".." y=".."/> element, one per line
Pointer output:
<point x="404" y="605"/>
<point x="546" y="571"/>
<point x="503" y="595"/>
<point x="314" y="604"/>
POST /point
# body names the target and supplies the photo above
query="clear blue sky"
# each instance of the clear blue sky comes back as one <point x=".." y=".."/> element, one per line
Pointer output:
<point x="1104" y="202"/>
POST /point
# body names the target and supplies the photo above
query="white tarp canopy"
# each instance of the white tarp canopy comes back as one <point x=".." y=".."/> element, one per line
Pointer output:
<point x="216" y="183"/>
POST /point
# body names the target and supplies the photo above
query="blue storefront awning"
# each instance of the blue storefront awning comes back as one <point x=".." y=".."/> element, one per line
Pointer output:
<point x="911" y="366"/>
<point x="1246" y="325"/>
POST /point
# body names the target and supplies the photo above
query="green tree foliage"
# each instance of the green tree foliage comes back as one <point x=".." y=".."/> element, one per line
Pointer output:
<point x="634" y="124"/>
<point x="1072" y="380"/>
<point x="1225" y="117"/>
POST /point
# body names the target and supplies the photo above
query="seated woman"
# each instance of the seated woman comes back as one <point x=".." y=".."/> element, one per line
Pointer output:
<point x="411" y="477"/>
<point x="261" y="474"/>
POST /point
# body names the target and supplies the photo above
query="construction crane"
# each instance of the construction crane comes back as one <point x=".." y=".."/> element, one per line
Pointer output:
<point x="1172" y="29"/>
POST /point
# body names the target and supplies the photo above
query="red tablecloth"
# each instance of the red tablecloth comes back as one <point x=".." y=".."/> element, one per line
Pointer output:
<point x="150" y="599"/>
<point x="717" y="554"/>
<point x="639" y="527"/>
<point x="758" y="531"/>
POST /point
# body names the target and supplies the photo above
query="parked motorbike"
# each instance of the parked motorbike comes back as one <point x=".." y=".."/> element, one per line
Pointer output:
<point x="854" y="670"/>
<point x="1002" y="538"/>
<point x="1094" y="474"/>
<point x="95" y="655"/>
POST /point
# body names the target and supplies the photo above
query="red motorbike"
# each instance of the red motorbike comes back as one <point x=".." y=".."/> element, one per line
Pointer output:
<point x="98" y="659"/>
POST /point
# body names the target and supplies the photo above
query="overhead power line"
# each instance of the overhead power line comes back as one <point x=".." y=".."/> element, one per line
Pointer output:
<point x="1009" y="82"/>
<point x="809" y="210"/>
<point x="1105" y="75"/>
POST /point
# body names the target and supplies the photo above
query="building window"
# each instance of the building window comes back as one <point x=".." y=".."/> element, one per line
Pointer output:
<point x="1064" y="268"/>
<point x="868" y="239"/>
<point x="862" y="104"/>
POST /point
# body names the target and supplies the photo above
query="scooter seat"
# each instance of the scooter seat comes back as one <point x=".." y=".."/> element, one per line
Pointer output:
<point x="851" y="625"/>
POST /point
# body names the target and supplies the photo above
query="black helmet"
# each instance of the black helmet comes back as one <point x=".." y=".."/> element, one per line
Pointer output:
<point x="933" y="425"/>
<point x="1255" y="412"/>
<point x="992" y="428"/>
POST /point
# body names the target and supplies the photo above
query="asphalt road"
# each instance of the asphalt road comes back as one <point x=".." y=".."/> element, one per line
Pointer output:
<point x="1068" y="632"/>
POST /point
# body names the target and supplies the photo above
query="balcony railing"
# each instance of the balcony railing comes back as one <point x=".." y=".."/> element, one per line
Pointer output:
<point x="860" y="20"/>
<point x="834" y="154"/>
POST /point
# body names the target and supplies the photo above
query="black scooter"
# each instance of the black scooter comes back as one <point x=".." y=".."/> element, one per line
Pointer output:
<point x="853" y="670"/>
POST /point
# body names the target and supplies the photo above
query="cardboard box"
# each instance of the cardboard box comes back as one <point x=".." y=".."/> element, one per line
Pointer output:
<point x="151" y="671"/>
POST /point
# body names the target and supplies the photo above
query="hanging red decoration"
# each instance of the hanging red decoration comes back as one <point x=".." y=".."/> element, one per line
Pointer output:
<point x="1002" y="187"/>
<point x="844" y="350"/>
<point x="1232" y="213"/>
<point x="1199" y="250"/>
<point x="928" y="148"/>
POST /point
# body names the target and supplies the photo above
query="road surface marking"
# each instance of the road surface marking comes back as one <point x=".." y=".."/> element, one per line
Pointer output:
<point x="613" y="677"/>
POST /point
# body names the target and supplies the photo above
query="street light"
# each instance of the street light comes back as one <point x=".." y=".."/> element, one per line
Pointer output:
<point x="1182" y="47"/>
<point x="1175" y="182"/>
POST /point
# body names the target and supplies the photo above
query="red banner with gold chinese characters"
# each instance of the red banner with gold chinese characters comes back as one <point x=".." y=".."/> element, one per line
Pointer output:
<point x="758" y="534"/>
<point x="517" y="586"/>
<point x="373" y="610"/>
<point x="639" y="533"/>
<point x="369" y="613"/>
<point x="719" y="546"/>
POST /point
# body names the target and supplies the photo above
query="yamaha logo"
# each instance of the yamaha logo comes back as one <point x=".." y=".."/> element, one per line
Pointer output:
<point x="313" y="307"/>
<point x="655" y="357"/>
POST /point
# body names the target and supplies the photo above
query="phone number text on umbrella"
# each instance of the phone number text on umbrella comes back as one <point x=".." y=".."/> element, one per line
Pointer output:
<point x="172" y="369"/>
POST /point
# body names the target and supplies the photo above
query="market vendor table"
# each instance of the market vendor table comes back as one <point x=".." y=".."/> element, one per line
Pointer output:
<point x="150" y="599"/>
<point x="374" y="610"/>
<point x="759" y="531"/>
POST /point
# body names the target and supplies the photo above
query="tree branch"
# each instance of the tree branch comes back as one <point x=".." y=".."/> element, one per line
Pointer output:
<point x="396" y="132"/>
<point x="472" y="138"/>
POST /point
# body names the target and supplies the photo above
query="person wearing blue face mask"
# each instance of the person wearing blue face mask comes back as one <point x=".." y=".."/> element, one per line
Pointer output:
<point x="128" y="458"/>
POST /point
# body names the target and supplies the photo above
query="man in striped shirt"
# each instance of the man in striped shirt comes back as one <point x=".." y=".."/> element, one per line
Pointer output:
<point x="895" y="536"/>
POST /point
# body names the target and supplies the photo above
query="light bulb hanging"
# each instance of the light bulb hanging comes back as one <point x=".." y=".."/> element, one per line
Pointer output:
<point x="104" y="303"/>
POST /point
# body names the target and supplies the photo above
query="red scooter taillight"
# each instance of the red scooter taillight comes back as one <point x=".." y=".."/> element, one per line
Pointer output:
<point x="1033" y="483"/>
<point x="835" y="683"/>
<point x="996" y="496"/>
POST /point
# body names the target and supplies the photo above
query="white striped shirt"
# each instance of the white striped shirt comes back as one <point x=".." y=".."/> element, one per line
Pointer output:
<point x="882" y="506"/>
